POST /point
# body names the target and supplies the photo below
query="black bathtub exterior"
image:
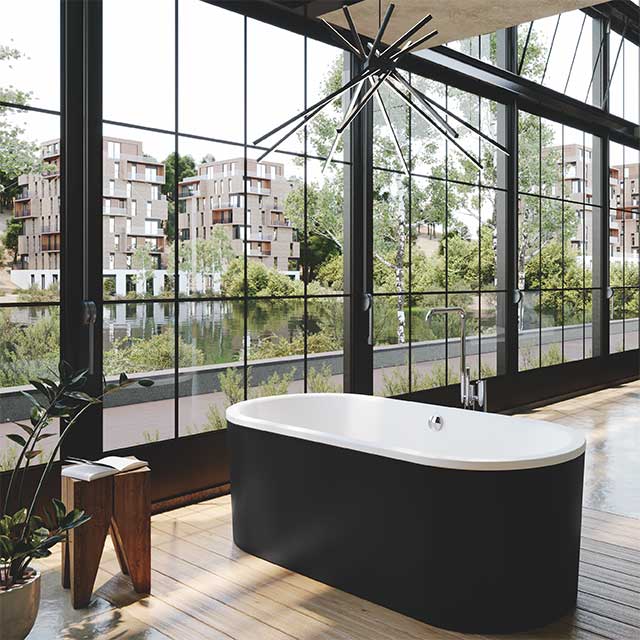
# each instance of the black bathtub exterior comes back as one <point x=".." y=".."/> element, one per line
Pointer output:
<point x="471" y="551"/>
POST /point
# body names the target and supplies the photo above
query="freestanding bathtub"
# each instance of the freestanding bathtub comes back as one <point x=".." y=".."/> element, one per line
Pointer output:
<point x="474" y="527"/>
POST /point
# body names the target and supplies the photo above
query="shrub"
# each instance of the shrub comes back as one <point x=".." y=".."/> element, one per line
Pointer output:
<point x="150" y="354"/>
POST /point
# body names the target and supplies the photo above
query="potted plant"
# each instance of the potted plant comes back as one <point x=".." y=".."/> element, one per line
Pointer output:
<point x="24" y="534"/>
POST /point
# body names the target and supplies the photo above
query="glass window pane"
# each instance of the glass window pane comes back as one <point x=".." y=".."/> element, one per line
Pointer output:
<point x="428" y="145"/>
<point x="211" y="374"/>
<point x="389" y="107"/>
<point x="471" y="304"/>
<point x="137" y="213"/>
<point x="139" y="62"/>
<point x="325" y="210"/>
<point x="529" y="330"/>
<point x="529" y="242"/>
<point x="139" y="339"/>
<point x="391" y="218"/>
<point x="30" y="172"/>
<point x="29" y="348"/>
<point x="575" y="311"/>
<point x="211" y="72"/>
<point x="488" y="238"/>
<point x="30" y="60"/>
<point x="617" y="329"/>
<point x="275" y="347"/>
<point x="428" y="345"/>
<point x="211" y="218"/>
<point x="428" y="242"/>
<point x="467" y="107"/>
<point x="552" y="320"/>
<point x="489" y="333"/>
<point x="464" y="268"/>
<point x="391" y="350"/>
<point x="528" y="153"/>
<point x="325" y="345"/>
<point x="270" y="104"/>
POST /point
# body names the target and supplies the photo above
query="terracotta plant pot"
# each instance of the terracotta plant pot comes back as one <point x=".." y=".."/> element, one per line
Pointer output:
<point x="19" y="608"/>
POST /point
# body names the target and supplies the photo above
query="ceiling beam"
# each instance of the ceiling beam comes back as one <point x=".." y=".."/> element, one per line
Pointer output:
<point x="624" y="17"/>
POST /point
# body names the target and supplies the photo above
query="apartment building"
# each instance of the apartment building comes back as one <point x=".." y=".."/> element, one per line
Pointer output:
<point x="215" y="196"/>
<point x="133" y="212"/>
<point x="624" y="200"/>
<point x="37" y="206"/>
<point x="624" y="223"/>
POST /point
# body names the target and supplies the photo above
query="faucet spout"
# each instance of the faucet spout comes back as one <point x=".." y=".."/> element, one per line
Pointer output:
<point x="469" y="392"/>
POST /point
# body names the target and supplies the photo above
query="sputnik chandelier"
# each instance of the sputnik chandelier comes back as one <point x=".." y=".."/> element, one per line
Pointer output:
<point x="380" y="68"/>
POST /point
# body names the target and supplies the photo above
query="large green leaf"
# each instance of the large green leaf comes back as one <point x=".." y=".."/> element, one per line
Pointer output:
<point x="26" y="427"/>
<point x="31" y="399"/>
<point x="6" y="522"/>
<point x="59" y="510"/>
<point x="14" y="437"/>
<point x="20" y="517"/>
<point x="42" y="389"/>
<point x="73" y="519"/>
<point x="6" y="547"/>
<point x="66" y="371"/>
<point x="50" y="383"/>
<point x="36" y="415"/>
<point x="79" y="395"/>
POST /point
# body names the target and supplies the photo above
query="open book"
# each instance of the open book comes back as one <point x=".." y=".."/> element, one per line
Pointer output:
<point x="108" y="466"/>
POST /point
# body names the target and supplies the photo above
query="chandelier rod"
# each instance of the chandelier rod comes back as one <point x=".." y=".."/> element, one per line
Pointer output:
<point x="326" y="100"/>
<point x="398" y="78"/>
<point x="385" y="114"/>
<point x="435" y="124"/>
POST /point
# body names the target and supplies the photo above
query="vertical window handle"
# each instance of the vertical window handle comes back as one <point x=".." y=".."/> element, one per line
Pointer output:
<point x="89" y="317"/>
<point x="89" y="312"/>
<point x="367" y="307"/>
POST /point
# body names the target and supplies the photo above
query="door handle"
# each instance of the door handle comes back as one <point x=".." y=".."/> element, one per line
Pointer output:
<point x="367" y="306"/>
<point x="89" y="317"/>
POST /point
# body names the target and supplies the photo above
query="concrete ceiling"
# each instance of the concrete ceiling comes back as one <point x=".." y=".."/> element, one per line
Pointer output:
<point x="454" y="19"/>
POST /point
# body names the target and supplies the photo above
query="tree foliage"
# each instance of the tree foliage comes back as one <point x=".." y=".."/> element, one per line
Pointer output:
<point x="12" y="232"/>
<point x="17" y="154"/>
<point x="186" y="167"/>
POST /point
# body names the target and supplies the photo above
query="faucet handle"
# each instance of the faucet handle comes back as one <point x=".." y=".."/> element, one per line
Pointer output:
<point x="481" y="394"/>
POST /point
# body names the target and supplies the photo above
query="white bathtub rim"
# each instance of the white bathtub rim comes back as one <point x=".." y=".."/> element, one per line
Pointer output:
<point x="234" y="415"/>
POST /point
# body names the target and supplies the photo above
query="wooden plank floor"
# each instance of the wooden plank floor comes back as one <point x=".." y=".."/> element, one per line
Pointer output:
<point x="205" y="587"/>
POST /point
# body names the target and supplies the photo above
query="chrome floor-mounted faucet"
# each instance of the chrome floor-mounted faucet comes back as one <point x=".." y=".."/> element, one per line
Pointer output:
<point x="472" y="394"/>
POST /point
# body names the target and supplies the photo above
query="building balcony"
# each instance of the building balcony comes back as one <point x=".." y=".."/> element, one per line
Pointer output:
<point x="258" y="253"/>
<point x="49" y="228"/>
<point x="151" y="249"/>
<point x="50" y="244"/>
<point x="54" y="172"/>
<point x="52" y="152"/>
<point x="118" y="192"/>
<point x="23" y="212"/>
<point x="279" y="221"/>
<point x="261" y="191"/>
<point x="221" y="219"/>
<point x="24" y="194"/>
<point x="143" y="234"/>
<point x="143" y="177"/>
<point x="114" y="211"/>
<point x="140" y="159"/>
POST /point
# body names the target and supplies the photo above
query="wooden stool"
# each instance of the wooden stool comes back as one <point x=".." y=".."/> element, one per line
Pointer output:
<point x="119" y="505"/>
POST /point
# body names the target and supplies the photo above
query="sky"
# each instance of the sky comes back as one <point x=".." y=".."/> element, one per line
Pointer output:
<point x="139" y="72"/>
